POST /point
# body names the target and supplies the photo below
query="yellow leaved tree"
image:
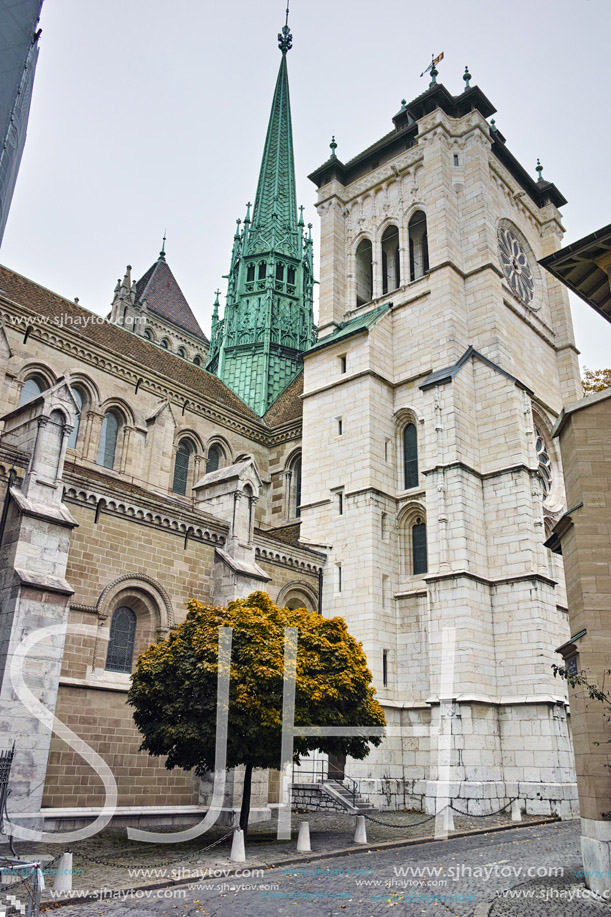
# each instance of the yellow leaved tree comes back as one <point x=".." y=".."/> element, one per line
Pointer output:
<point x="174" y="688"/>
<point x="595" y="380"/>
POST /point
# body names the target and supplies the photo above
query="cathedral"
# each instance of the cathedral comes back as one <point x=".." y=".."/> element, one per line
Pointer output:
<point x="393" y="465"/>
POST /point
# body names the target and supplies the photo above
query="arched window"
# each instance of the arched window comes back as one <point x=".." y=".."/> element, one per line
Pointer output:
<point x="148" y="335"/>
<point x="215" y="457"/>
<point x="364" y="273"/>
<point x="294" y="479"/>
<point x="197" y="360"/>
<point x="32" y="388"/>
<point x="418" y="246"/>
<point x="410" y="456"/>
<point x="109" y="435"/>
<point x="181" y="352"/>
<point x="544" y="464"/>
<point x="181" y="467"/>
<point x="164" y="343"/>
<point x="391" y="269"/>
<point x="78" y="397"/>
<point x="121" y="644"/>
<point x="262" y="270"/>
<point x="250" y="273"/>
<point x="419" y="551"/>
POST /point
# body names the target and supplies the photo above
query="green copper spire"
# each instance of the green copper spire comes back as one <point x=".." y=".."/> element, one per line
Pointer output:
<point x="257" y="347"/>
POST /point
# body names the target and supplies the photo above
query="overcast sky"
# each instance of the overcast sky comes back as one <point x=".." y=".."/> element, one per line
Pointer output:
<point x="149" y="114"/>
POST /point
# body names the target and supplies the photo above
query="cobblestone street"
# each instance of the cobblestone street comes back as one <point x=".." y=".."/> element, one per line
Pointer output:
<point x="533" y="871"/>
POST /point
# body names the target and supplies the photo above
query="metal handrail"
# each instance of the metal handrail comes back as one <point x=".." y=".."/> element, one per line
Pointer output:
<point x="6" y="760"/>
<point x="321" y="771"/>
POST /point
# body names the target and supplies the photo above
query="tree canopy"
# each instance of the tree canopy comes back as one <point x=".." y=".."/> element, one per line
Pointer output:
<point x="174" y="687"/>
<point x="595" y="380"/>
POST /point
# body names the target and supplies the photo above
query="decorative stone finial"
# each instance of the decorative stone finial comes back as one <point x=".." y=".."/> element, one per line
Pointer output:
<point x="333" y="146"/>
<point x="300" y="216"/>
<point x="162" y="252"/>
<point x="539" y="170"/>
<point x="403" y="104"/>
<point x="493" y="127"/>
<point x="285" y="39"/>
<point x="247" y="217"/>
<point x="467" y="78"/>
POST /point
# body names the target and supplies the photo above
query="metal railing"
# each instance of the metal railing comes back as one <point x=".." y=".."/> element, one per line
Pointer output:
<point x="21" y="885"/>
<point x="323" y="771"/>
<point x="6" y="761"/>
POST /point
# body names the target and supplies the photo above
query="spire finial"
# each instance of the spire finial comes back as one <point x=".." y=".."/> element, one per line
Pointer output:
<point x="539" y="170"/>
<point x="467" y="78"/>
<point x="300" y="215"/>
<point x="493" y="127"/>
<point x="333" y="146"/>
<point x="162" y="252"/>
<point x="285" y="39"/>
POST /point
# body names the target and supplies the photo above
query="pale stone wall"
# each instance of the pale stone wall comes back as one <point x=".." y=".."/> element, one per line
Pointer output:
<point x="490" y="580"/>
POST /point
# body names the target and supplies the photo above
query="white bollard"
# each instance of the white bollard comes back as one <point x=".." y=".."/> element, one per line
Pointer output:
<point x="238" y="851"/>
<point x="63" y="877"/>
<point x="360" y="835"/>
<point x="444" y="822"/>
<point x="303" y="841"/>
<point x="516" y="812"/>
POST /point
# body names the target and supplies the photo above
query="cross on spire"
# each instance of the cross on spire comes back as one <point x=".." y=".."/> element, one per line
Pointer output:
<point x="162" y="252"/>
<point x="285" y="39"/>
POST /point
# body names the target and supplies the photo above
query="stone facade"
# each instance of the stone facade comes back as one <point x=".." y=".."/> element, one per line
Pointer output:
<point x="443" y="574"/>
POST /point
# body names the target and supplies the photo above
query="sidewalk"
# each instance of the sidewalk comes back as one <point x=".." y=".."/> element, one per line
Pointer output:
<point x="110" y="861"/>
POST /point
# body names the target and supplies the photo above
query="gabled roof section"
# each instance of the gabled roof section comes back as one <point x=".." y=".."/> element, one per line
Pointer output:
<point x="577" y="268"/>
<point x="447" y="374"/>
<point x="119" y="341"/>
<point x="288" y="405"/>
<point x="354" y="326"/>
<point x="165" y="298"/>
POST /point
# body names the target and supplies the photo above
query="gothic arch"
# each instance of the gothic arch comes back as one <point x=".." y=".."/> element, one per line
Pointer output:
<point x="407" y="517"/>
<point x="86" y="383"/>
<point x="298" y="592"/>
<point x="34" y="368"/>
<point x="223" y="445"/>
<point x="190" y="434"/>
<point x="117" y="404"/>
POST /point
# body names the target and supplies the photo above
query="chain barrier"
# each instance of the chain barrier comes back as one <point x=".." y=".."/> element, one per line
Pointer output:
<point x="105" y="862"/>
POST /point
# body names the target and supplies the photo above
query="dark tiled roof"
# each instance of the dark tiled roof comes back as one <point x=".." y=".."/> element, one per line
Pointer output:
<point x="165" y="298"/>
<point x="287" y="534"/>
<point x="353" y="326"/>
<point x="118" y="341"/>
<point x="287" y="406"/>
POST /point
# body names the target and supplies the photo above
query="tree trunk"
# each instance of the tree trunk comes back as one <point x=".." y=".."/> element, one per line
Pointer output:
<point x="245" y="810"/>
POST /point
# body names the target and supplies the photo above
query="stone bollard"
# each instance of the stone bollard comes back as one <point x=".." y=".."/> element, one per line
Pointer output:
<point x="360" y="835"/>
<point x="63" y="877"/>
<point x="238" y="851"/>
<point x="516" y="812"/>
<point x="444" y="821"/>
<point x="303" y="841"/>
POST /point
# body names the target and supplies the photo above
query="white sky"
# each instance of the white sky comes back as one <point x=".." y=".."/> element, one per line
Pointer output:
<point x="150" y="115"/>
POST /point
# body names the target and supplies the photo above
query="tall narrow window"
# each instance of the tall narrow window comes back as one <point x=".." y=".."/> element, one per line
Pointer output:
<point x="340" y="426"/>
<point x="384" y="526"/>
<point x="108" y="440"/>
<point x="279" y="271"/>
<point x="385" y="668"/>
<point x="410" y="456"/>
<point x="121" y="644"/>
<point x="77" y="420"/>
<point x="214" y="458"/>
<point x="418" y="246"/>
<point x="364" y="273"/>
<point x="181" y="468"/>
<point x="250" y="273"/>
<point x="391" y="271"/>
<point x="295" y="493"/>
<point x="419" y="551"/>
<point x="338" y="568"/>
<point x="340" y="504"/>
<point x="262" y="270"/>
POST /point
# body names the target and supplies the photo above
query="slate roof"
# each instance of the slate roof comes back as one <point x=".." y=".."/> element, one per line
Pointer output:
<point x="288" y="405"/>
<point x="118" y="341"/>
<point x="354" y="326"/>
<point x="165" y="298"/>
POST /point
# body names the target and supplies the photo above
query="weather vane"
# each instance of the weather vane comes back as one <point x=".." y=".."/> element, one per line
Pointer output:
<point x="285" y="39"/>
<point x="432" y="68"/>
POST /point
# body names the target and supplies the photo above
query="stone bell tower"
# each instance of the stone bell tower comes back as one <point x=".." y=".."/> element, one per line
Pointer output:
<point x="444" y="356"/>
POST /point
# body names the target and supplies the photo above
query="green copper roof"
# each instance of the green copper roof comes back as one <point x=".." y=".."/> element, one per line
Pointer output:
<point x="346" y="329"/>
<point x="275" y="210"/>
<point x="257" y="347"/>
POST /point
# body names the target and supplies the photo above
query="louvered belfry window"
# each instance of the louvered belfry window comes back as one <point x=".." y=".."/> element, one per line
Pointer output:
<point x="410" y="456"/>
<point x="419" y="552"/>
<point x="181" y="468"/>
<point x="121" y="644"/>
